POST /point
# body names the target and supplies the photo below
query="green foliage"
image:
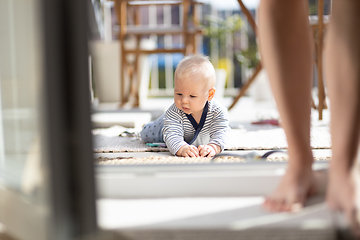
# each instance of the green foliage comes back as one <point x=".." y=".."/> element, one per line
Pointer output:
<point x="312" y="7"/>
<point x="249" y="57"/>
<point x="216" y="27"/>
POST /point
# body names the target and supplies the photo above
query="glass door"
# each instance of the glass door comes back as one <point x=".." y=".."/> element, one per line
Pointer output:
<point x="46" y="167"/>
<point x="23" y="181"/>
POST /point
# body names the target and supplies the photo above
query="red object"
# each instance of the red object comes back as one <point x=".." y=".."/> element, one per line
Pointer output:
<point x="274" y="122"/>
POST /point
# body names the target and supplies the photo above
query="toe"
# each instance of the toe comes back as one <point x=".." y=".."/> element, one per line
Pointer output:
<point x="268" y="204"/>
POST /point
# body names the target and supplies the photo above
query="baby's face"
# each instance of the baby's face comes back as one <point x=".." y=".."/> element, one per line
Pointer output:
<point x="191" y="95"/>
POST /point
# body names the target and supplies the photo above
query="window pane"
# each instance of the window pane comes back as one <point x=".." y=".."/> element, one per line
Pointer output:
<point x="20" y="75"/>
<point x="23" y="202"/>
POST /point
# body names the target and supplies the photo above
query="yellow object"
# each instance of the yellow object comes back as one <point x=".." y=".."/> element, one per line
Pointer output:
<point x="225" y="63"/>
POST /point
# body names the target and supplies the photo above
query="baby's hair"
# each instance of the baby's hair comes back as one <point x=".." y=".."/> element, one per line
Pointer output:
<point x="196" y="64"/>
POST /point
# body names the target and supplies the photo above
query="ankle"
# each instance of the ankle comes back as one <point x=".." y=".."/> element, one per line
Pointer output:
<point x="300" y="158"/>
<point x="340" y="167"/>
<point x="301" y="165"/>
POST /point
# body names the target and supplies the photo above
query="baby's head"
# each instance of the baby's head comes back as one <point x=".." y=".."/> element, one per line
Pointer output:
<point x="194" y="83"/>
<point x="196" y="68"/>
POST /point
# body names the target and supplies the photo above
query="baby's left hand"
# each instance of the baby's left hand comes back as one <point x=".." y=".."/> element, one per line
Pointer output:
<point x="206" y="151"/>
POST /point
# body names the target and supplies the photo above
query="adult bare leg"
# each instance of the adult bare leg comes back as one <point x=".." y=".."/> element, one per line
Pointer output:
<point x="342" y="59"/>
<point x="286" y="49"/>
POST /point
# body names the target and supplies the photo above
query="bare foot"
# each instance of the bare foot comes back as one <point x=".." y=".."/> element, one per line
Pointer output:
<point x="294" y="188"/>
<point x="341" y="197"/>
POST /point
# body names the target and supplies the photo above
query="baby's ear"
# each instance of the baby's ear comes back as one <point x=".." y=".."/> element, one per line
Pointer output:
<point x="211" y="93"/>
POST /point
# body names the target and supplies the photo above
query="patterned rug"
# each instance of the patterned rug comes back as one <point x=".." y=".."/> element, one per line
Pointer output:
<point x="156" y="160"/>
<point x="244" y="137"/>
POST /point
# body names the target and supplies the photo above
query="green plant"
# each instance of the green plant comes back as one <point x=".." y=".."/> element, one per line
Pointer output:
<point x="215" y="27"/>
<point x="249" y="57"/>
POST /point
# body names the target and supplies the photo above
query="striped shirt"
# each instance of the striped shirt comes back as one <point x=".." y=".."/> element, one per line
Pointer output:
<point x="178" y="130"/>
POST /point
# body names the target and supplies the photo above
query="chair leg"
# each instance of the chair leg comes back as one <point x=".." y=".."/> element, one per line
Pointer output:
<point x="122" y="76"/>
<point x="313" y="103"/>
<point x="258" y="67"/>
<point x="321" y="92"/>
<point x="135" y="79"/>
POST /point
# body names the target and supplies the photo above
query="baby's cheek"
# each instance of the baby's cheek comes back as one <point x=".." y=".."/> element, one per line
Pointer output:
<point x="177" y="104"/>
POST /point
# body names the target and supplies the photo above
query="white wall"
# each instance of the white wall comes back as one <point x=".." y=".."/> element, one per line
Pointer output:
<point x="106" y="62"/>
<point x="106" y="70"/>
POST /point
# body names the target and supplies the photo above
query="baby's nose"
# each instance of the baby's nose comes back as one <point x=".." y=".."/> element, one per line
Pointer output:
<point x="184" y="99"/>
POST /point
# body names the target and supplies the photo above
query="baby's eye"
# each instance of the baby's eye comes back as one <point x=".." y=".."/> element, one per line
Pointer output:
<point x="179" y="94"/>
<point x="192" y="96"/>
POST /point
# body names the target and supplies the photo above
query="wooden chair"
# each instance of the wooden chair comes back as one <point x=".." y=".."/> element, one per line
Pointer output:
<point x="258" y="68"/>
<point x="129" y="71"/>
<point x="317" y="27"/>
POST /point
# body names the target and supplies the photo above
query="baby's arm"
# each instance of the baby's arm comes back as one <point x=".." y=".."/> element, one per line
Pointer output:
<point x="173" y="131"/>
<point x="188" y="151"/>
<point x="209" y="150"/>
<point x="219" y="128"/>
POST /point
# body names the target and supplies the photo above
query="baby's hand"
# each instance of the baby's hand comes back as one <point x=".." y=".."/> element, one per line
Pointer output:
<point x="188" y="151"/>
<point x="206" y="151"/>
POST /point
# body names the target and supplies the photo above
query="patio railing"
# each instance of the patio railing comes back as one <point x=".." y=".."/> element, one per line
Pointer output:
<point x="162" y="66"/>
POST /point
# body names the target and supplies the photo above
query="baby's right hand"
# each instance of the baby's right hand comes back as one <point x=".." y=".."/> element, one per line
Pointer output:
<point x="188" y="151"/>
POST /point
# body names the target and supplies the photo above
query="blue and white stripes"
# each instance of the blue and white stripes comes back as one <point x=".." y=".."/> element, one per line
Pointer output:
<point x="178" y="130"/>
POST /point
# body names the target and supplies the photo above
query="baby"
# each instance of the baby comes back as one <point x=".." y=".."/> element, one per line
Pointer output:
<point x="195" y="125"/>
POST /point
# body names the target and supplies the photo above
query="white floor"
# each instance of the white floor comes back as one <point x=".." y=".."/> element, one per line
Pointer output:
<point x="217" y="212"/>
<point x="247" y="109"/>
<point x="125" y="213"/>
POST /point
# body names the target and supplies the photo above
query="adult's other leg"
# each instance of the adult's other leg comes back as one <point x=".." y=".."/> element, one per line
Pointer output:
<point x="286" y="49"/>
<point x="342" y="59"/>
